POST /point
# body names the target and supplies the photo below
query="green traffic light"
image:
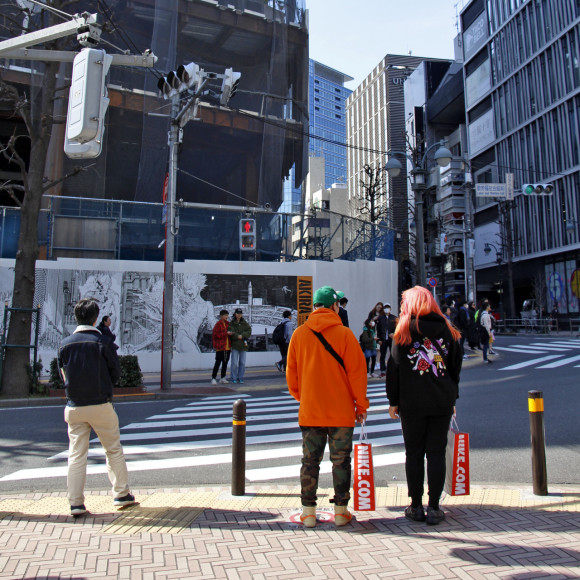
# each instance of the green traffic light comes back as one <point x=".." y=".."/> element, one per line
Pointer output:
<point x="529" y="189"/>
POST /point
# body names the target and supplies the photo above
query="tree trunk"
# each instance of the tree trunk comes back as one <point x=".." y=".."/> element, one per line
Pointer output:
<point x="15" y="380"/>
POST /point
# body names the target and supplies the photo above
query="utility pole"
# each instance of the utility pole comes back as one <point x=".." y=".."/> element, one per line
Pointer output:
<point x="171" y="86"/>
<point x="171" y="229"/>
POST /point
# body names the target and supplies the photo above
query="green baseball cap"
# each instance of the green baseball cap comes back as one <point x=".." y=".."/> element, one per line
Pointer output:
<point x="326" y="296"/>
<point x="340" y="294"/>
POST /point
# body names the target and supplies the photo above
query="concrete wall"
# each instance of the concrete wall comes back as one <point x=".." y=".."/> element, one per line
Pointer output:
<point x="131" y="293"/>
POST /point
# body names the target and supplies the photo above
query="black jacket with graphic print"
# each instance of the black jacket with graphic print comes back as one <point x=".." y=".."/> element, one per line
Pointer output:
<point x="420" y="380"/>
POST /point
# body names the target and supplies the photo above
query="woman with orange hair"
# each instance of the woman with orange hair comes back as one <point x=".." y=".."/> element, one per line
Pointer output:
<point x="422" y="387"/>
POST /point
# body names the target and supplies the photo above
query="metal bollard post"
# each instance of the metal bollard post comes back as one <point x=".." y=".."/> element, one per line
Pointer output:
<point x="539" y="471"/>
<point x="239" y="448"/>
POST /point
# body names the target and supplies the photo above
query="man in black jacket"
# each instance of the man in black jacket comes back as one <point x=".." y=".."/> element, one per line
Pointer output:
<point x="90" y="367"/>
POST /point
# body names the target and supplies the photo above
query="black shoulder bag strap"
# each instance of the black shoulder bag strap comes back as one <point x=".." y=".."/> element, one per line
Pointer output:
<point x="328" y="347"/>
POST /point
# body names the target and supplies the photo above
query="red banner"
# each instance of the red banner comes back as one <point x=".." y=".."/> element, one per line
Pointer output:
<point x="364" y="481"/>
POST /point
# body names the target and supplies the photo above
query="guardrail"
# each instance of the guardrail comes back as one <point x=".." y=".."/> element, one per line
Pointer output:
<point x="529" y="325"/>
<point x="538" y="325"/>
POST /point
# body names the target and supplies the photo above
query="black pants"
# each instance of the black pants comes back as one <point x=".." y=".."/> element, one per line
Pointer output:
<point x="221" y="358"/>
<point x="425" y="435"/>
<point x="385" y="345"/>
<point x="284" y="352"/>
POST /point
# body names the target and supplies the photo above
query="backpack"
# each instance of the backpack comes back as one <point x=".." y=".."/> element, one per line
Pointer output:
<point x="278" y="334"/>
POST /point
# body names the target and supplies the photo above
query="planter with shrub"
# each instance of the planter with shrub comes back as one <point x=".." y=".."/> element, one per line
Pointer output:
<point x="130" y="383"/>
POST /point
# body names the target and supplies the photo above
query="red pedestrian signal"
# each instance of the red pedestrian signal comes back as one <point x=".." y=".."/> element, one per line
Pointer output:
<point x="247" y="234"/>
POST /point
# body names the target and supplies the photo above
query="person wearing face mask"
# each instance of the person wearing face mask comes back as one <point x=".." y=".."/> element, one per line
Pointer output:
<point x="369" y="346"/>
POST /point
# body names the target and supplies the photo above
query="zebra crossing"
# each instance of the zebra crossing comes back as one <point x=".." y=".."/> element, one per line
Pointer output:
<point x="199" y="434"/>
<point x="549" y="354"/>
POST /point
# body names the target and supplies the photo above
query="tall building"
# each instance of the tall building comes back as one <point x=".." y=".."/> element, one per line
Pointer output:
<point x="522" y="93"/>
<point x="327" y="119"/>
<point x="435" y="111"/>
<point x="375" y="125"/>
<point x="327" y="103"/>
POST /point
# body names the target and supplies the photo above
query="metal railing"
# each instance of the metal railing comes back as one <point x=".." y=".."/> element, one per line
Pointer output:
<point x="528" y="325"/>
<point x="122" y="230"/>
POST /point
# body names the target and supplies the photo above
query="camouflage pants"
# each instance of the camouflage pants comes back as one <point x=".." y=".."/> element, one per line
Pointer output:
<point x="340" y="446"/>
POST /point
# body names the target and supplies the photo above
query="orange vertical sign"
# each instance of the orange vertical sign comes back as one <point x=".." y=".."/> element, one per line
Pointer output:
<point x="304" y="293"/>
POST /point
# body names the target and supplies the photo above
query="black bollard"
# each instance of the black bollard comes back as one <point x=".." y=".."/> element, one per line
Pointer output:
<point x="539" y="471"/>
<point x="239" y="448"/>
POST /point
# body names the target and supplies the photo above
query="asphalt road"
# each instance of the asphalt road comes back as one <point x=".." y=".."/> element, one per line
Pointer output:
<point x="174" y="443"/>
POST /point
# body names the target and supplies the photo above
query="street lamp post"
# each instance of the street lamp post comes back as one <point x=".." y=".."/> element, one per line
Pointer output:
<point x="419" y="174"/>
<point x="498" y="258"/>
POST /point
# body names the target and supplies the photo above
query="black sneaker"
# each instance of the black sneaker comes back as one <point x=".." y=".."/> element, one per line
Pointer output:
<point x="417" y="514"/>
<point x="127" y="500"/>
<point x="434" y="516"/>
<point x="78" y="510"/>
<point x="279" y="367"/>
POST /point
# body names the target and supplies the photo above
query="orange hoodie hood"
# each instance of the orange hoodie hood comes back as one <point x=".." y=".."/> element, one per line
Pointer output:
<point x="329" y="395"/>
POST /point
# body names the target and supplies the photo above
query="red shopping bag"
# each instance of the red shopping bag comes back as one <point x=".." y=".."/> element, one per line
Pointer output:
<point x="364" y="481"/>
<point x="457" y="461"/>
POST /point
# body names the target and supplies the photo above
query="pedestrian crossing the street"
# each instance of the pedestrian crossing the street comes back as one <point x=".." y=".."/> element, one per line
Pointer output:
<point x="199" y="434"/>
<point x="548" y="354"/>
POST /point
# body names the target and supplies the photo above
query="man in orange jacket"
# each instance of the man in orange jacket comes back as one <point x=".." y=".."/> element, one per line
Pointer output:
<point x="330" y="383"/>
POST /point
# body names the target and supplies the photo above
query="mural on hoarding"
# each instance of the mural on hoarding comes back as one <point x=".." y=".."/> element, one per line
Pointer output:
<point x="134" y="301"/>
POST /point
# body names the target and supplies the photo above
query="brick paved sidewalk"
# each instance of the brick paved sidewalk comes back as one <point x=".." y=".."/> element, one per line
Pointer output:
<point x="206" y="533"/>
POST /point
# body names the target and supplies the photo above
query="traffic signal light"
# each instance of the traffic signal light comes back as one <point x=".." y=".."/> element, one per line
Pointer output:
<point x="229" y="85"/>
<point x="537" y="189"/>
<point x="88" y="102"/>
<point x="185" y="77"/>
<point x="247" y="234"/>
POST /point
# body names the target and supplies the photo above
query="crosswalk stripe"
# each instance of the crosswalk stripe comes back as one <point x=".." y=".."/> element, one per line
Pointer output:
<point x="167" y="436"/>
<point x="289" y="471"/>
<point x="191" y="461"/>
<point x="226" y="442"/>
<point x="250" y="410"/>
<point x="517" y="349"/>
<point x="555" y="345"/>
<point x="531" y="362"/>
<point x="180" y="434"/>
<point x="227" y="421"/>
<point x="560" y="363"/>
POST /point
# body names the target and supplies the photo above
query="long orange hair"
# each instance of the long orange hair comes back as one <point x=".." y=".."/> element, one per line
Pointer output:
<point x="417" y="302"/>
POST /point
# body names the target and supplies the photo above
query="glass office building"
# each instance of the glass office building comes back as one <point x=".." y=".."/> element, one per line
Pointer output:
<point x="327" y="99"/>
<point x="522" y="93"/>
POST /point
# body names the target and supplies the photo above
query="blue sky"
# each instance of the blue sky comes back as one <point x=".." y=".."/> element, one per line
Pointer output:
<point x="353" y="36"/>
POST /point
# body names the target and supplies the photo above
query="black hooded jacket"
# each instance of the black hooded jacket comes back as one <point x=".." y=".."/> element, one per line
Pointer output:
<point x="422" y="378"/>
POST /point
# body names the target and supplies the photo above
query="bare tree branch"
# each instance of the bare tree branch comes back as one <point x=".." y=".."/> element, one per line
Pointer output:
<point x="50" y="184"/>
<point x="10" y="188"/>
<point x="10" y="153"/>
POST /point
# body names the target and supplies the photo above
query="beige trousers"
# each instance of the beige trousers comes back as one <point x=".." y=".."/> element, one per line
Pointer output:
<point x="104" y="421"/>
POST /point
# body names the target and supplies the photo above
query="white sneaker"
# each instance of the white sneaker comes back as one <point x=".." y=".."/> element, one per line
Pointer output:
<point x="374" y="375"/>
<point x="369" y="375"/>
<point x="213" y="382"/>
<point x="224" y="381"/>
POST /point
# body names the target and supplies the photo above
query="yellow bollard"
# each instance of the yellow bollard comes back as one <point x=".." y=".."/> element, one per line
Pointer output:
<point x="539" y="471"/>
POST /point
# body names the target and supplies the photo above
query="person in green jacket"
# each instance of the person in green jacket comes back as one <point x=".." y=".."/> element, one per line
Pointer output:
<point x="241" y="332"/>
<point x="369" y="345"/>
